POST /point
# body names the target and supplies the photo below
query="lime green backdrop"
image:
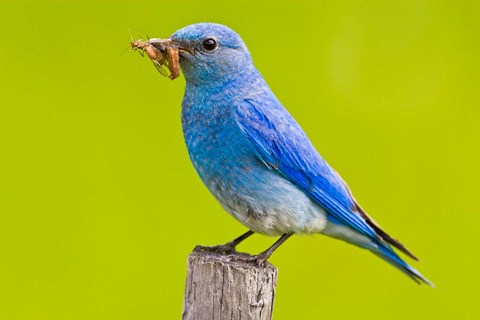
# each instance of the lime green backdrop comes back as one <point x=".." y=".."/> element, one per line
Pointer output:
<point x="99" y="205"/>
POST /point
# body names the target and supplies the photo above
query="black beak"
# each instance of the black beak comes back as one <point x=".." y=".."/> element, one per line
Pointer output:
<point x="162" y="44"/>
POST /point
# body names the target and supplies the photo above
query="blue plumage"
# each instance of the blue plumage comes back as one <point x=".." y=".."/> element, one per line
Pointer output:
<point x="293" y="155"/>
<point x="254" y="157"/>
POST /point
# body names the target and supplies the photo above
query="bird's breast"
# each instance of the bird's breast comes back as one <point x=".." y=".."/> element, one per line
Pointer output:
<point x="215" y="143"/>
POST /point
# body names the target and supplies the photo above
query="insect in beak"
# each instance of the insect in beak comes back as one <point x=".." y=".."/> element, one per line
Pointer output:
<point x="162" y="52"/>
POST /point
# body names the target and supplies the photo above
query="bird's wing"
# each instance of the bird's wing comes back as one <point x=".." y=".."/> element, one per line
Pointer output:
<point x="282" y="145"/>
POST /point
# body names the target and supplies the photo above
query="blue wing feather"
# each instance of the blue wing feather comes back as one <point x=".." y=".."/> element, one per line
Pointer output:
<point x="281" y="143"/>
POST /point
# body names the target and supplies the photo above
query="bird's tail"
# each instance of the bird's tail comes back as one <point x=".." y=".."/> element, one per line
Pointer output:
<point x="387" y="254"/>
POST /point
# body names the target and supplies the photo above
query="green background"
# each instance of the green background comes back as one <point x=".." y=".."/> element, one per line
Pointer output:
<point x="99" y="205"/>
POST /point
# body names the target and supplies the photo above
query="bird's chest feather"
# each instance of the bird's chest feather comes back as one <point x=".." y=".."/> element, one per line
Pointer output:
<point x="219" y="151"/>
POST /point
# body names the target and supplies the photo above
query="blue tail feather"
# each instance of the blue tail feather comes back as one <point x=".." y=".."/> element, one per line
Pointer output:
<point x="387" y="254"/>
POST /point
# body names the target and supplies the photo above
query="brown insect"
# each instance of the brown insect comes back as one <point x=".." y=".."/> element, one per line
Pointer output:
<point x="173" y="63"/>
<point x="162" y="55"/>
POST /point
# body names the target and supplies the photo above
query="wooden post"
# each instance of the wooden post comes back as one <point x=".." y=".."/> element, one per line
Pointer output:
<point x="218" y="287"/>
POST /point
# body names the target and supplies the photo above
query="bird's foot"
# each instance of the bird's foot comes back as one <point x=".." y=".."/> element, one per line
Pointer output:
<point x="228" y="248"/>
<point x="259" y="259"/>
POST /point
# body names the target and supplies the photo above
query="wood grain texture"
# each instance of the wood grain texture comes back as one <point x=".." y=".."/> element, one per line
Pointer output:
<point x="218" y="287"/>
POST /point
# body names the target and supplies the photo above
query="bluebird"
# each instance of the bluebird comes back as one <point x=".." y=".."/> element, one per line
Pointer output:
<point x="254" y="157"/>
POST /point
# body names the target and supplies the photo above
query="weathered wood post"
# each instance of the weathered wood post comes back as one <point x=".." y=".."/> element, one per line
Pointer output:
<point x="218" y="287"/>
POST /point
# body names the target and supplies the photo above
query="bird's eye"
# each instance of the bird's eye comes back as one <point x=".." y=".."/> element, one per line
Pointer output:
<point x="210" y="44"/>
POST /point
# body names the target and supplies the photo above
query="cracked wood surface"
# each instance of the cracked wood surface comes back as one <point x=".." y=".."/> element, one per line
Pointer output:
<point x="218" y="287"/>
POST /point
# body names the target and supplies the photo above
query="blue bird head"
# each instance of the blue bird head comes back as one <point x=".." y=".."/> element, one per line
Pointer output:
<point x="210" y="52"/>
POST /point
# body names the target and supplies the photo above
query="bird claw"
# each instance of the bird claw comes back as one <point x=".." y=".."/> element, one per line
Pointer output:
<point x="227" y="248"/>
<point x="234" y="255"/>
<point x="259" y="259"/>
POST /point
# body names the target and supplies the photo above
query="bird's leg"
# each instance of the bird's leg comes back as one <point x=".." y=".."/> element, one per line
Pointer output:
<point x="236" y="242"/>
<point x="229" y="247"/>
<point x="263" y="256"/>
<point x="260" y="258"/>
